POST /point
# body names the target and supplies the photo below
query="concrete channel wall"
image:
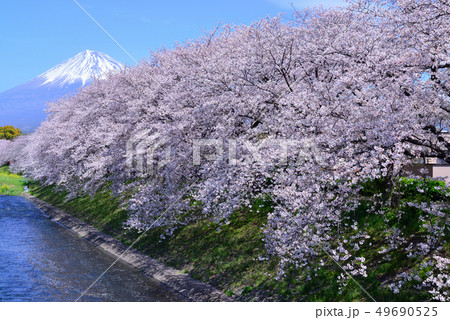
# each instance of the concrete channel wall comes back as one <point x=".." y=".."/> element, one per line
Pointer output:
<point x="181" y="284"/>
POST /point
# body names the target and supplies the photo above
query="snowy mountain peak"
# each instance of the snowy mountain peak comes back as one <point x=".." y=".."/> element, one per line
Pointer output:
<point x="83" y="67"/>
<point x="23" y="106"/>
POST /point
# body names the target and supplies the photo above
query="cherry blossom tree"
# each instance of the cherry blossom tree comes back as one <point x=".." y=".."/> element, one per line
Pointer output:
<point x="4" y="144"/>
<point x="301" y="112"/>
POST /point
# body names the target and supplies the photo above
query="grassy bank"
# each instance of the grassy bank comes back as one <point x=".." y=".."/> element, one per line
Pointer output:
<point x="229" y="257"/>
<point x="10" y="184"/>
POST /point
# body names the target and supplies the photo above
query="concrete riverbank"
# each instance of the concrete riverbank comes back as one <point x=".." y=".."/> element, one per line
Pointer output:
<point x="183" y="285"/>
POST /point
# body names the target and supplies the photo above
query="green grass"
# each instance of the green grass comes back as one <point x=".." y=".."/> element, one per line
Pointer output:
<point x="228" y="256"/>
<point x="10" y="184"/>
<point x="101" y="211"/>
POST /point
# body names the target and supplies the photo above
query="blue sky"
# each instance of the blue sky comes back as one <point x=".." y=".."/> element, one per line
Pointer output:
<point x="37" y="35"/>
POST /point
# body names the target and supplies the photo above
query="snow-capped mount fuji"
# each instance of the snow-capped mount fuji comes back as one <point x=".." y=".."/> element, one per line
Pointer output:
<point x="23" y="106"/>
<point x="84" y="67"/>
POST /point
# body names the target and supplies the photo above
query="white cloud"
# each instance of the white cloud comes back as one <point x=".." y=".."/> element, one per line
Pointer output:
<point x="299" y="4"/>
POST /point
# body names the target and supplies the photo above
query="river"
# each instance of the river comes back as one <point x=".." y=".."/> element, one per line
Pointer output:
<point x="40" y="260"/>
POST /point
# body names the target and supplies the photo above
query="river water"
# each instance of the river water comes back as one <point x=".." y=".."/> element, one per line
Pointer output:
<point x="42" y="261"/>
